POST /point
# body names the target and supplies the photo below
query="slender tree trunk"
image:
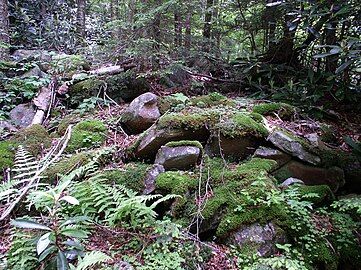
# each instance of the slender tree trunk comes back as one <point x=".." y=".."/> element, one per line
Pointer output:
<point x="115" y="17"/>
<point x="4" y="30"/>
<point x="188" y="29"/>
<point x="177" y="28"/>
<point x="331" y="61"/>
<point x="80" y="18"/>
<point x="207" y="25"/>
<point x="156" y="38"/>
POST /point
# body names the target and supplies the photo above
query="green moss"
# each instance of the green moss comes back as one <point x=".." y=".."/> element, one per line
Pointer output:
<point x="282" y="109"/>
<point x="66" y="165"/>
<point x="87" y="134"/>
<point x="7" y="153"/>
<point x="132" y="175"/>
<point x="237" y="188"/>
<point x="176" y="183"/>
<point x="34" y="139"/>
<point x="241" y="124"/>
<point x="66" y="121"/>
<point x="210" y="100"/>
<point x="256" y="117"/>
<point x="86" y="87"/>
<point x="324" y="193"/>
<point x="184" y="143"/>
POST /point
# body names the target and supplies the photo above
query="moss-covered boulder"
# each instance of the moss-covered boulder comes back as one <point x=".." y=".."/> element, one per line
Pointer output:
<point x="195" y="123"/>
<point x="211" y="100"/>
<point x="34" y="138"/>
<point x="87" y="134"/>
<point x="236" y="136"/>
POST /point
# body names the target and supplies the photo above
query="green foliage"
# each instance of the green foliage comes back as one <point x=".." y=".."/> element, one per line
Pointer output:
<point x="22" y="254"/>
<point x="131" y="176"/>
<point x="89" y="133"/>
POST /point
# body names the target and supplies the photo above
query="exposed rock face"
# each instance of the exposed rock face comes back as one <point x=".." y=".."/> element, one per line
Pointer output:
<point x="152" y="174"/>
<point x="280" y="157"/>
<point x="179" y="157"/>
<point x="263" y="238"/>
<point x="20" y="55"/>
<point x="310" y="175"/>
<point x="238" y="148"/>
<point x="293" y="147"/>
<point x="149" y="144"/>
<point x="35" y="71"/>
<point x="141" y="113"/>
<point x="22" y="115"/>
<point x="291" y="181"/>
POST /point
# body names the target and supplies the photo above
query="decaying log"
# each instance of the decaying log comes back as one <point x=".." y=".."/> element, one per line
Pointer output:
<point x="112" y="70"/>
<point x="43" y="102"/>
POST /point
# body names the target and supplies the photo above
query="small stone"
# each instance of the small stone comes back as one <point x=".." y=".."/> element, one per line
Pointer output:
<point x="6" y="125"/>
<point x="142" y="113"/>
<point x="280" y="157"/>
<point x="22" y="115"/>
<point x="291" y="181"/>
<point x="179" y="157"/>
<point x="152" y="174"/>
<point x="293" y="147"/>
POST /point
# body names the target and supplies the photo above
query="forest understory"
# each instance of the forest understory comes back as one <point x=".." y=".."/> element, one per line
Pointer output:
<point x="180" y="135"/>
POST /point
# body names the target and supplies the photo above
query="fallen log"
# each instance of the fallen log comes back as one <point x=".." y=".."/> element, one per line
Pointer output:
<point x="43" y="102"/>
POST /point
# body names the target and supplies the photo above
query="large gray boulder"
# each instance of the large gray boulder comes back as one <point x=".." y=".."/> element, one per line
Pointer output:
<point x="293" y="146"/>
<point x="178" y="157"/>
<point x="311" y="175"/>
<point x="22" y="115"/>
<point x="142" y="113"/>
<point x="262" y="237"/>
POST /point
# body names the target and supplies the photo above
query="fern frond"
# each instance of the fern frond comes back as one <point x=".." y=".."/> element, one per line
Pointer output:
<point x="91" y="259"/>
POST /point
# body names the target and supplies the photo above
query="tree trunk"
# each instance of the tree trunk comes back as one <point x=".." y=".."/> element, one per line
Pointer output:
<point x="177" y="29"/>
<point x="4" y="30"/>
<point x="156" y="38"/>
<point x="207" y="25"/>
<point x="80" y="18"/>
<point x="188" y="29"/>
<point x="331" y="61"/>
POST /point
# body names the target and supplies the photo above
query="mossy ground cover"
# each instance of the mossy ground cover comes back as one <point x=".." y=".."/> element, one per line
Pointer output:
<point x="184" y="143"/>
<point x="86" y="134"/>
<point x="34" y="138"/>
<point x="284" y="110"/>
<point x="7" y="153"/>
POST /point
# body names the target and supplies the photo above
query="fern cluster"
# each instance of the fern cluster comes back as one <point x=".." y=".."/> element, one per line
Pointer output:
<point x="24" y="168"/>
<point x="113" y="203"/>
<point x="22" y="254"/>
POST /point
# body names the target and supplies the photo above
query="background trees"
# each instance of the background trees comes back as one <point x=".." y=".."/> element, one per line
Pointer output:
<point x="299" y="37"/>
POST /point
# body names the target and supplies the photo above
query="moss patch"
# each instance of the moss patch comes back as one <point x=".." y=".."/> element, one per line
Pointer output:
<point x="34" y="139"/>
<point x="210" y="100"/>
<point x="132" y="175"/>
<point x="86" y="134"/>
<point x="66" y="165"/>
<point x="284" y="110"/>
<point x="241" y="124"/>
<point x="179" y="184"/>
<point x="7" y="153"/>
<point x="66" y="121"/>
<point x="184" y="143"/>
